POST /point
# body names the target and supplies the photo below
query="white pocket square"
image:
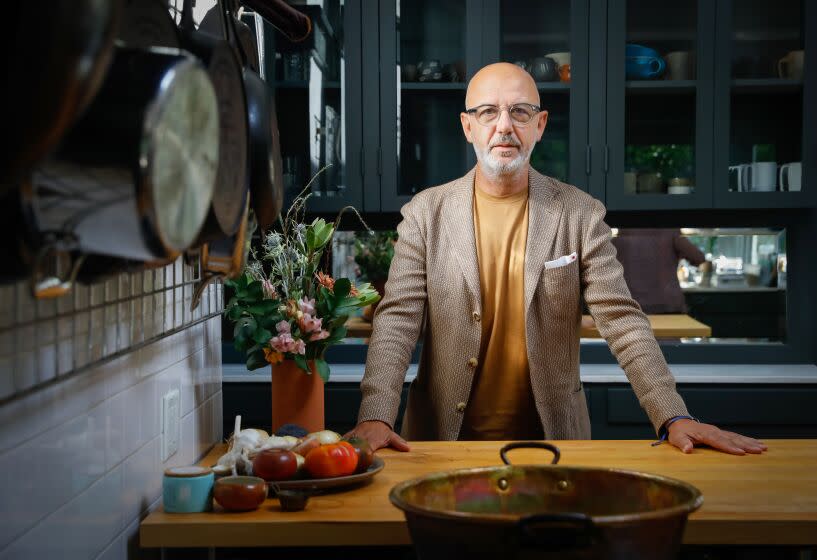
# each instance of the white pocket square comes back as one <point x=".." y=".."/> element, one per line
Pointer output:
<point x="561" y="261"/>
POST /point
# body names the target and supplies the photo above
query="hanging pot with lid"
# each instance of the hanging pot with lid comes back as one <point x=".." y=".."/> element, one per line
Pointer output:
<point x="545" y="511"/>
<point x="135" y="176"/>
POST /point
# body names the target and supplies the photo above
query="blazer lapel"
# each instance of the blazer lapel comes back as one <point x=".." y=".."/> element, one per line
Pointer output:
<point x="459" y="226"/>
<point x="544" y="213"/>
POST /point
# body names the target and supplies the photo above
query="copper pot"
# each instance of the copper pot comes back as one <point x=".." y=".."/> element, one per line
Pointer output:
<point x="545" y="511"/>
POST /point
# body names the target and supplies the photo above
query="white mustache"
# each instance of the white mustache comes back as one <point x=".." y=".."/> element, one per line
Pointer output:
<point x="505" y="140"/>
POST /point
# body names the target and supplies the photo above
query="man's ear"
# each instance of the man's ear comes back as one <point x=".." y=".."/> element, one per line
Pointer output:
<point x="543" y="121"/>
<point x="466" y="127"/>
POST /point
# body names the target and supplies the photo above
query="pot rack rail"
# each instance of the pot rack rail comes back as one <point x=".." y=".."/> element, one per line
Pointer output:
<point x="45" y="341"/>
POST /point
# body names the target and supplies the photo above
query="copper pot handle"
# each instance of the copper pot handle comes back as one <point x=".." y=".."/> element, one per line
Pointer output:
<point x="503" y="453"/>
<point x="557" y="531"/>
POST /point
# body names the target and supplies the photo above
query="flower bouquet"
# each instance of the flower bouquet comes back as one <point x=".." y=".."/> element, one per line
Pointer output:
<point x="284" y="306"/>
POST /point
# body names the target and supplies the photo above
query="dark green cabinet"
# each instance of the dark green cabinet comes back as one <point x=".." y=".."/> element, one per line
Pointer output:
<point x="764" y="411"/>
<point x="695" y="104"/>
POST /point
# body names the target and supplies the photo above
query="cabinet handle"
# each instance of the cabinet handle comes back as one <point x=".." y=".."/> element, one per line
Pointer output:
<point x="362" y="162"/>
<point x="379" y="161"/>
<point x="587" y="159"/>
<point x="606" y="158"/>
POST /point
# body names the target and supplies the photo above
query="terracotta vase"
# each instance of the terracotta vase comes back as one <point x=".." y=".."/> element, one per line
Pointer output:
<point x="297" y="397"/>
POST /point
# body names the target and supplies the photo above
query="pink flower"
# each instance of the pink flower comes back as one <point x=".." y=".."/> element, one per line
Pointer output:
<point x="309" y="324"/>
<point x="282" y="343"/>
<point x="268" y="289"/>
<point x="307" y="305"/>
<point x="299" y="347"/>
<point x="282" y="327"/>
<point x="320" y="335"/>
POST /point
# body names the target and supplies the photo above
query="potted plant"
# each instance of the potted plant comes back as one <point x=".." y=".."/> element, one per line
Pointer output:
<point x="373" y="254"/>
<point x="287" y="312"/>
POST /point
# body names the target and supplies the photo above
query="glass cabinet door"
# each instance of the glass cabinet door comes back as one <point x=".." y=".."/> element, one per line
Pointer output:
<point x="316" y="88"/>
<point x="659" y="104"/>
<point x="426" y="56"/>
<point x="549" y="39"/>
<point x="761" y="91"/>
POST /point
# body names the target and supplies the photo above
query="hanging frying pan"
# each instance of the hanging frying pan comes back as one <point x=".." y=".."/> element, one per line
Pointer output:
<point x="227" y="209"/>
<point x="266" y="185"/>
<point x="54" y="75"/>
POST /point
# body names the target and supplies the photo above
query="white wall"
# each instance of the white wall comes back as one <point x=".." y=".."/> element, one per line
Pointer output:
<point x="80" y="457"/>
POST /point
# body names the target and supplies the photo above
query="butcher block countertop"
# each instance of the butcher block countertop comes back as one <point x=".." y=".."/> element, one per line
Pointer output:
<point x="751" y="499"/>
<point x="663" y="326"/>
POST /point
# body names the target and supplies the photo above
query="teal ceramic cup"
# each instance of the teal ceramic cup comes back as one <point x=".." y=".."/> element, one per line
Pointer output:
<point x="188" y="489"/>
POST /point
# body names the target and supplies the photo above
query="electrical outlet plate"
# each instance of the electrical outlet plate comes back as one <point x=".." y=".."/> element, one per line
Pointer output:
<point x="171" y="420"/>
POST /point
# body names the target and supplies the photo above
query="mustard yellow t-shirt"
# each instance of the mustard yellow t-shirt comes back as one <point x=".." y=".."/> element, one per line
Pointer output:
<point x="501" y="405"/>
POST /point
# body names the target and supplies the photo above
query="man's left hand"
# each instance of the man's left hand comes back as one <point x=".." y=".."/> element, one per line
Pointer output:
<point x="685" y="434"/>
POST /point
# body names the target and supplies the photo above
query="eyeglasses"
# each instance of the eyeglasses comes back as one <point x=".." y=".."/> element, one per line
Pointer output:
<point x="520" y="113"/>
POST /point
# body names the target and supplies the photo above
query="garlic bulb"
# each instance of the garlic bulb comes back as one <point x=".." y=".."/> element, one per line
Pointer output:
<point x="276" y="442"/>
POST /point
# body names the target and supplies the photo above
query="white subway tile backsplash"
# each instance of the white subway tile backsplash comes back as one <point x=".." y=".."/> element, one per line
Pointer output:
<point x="81" y="529"/>
<point x="141" y="414"/>
<point x="142" y="480"/>
<point x="101" y="426"/>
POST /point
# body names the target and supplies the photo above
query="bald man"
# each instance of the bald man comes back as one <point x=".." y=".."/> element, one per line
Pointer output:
<point x="494" y="265"/>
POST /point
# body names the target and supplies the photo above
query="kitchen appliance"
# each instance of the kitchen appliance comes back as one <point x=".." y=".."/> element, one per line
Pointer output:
<point x="545" y="511"/>
<point x="642" y="63"/>
<point x="134" y="177"/>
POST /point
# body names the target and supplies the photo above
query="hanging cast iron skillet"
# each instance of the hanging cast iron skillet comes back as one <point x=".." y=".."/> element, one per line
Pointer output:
<point x="231" y="192"/>
<point x="134" y="177"/>
<point x="58" y="58"/>
<point x="266" y="184"/>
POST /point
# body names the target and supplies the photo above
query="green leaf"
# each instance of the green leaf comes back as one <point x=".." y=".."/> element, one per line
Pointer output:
<point x="342" y="288"/>
<point x="262" y="335"/>
<point x="300" y="361"/>
<point x="264" y="307"/>
<point x="323" y="369"/>
<point x="256" y="360"/>
<point x="255" y="290"/>
<point x="234" y="313"/>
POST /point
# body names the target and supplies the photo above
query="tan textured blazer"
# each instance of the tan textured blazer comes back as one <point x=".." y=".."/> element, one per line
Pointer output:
<point x="434" y="280"/>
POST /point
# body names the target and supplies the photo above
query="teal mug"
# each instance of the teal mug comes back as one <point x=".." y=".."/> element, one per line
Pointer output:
<point x="187" y="489"/>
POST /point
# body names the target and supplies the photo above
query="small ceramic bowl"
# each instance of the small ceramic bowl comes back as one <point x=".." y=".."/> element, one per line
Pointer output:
<point x="240" y="493"/>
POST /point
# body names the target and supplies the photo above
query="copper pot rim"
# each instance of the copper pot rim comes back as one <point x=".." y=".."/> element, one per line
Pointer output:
<point x="691" y="505"/>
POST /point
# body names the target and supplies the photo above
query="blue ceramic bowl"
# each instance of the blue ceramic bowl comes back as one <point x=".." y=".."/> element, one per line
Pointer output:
<point x="643" y="63"/>
<point x="187" y="489"/>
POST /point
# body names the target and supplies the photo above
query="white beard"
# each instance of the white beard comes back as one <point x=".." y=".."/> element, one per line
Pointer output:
<point x="494" y="168"/>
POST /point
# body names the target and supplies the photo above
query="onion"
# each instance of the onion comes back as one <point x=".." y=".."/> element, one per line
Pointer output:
<point x="325" y="437"/>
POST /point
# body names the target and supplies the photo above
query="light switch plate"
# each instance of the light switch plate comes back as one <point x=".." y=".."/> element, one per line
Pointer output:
<point x="171" y="421"/>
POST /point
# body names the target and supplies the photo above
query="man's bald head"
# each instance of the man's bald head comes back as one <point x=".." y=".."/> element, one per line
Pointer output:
<point x="501" y="83"/>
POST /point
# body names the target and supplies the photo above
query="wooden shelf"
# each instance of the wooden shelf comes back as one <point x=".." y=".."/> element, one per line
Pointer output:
<point x="636" y="87"/>
<point x="433" y="86"/>
<point x="766" y="85"/>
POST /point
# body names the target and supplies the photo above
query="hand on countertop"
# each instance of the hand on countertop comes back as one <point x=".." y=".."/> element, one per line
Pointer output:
<point x="379" y="435"/>
<point x="685" y="434"/>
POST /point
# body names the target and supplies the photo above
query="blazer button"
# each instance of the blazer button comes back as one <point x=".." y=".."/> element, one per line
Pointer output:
<point x="473" y="362"/>
<point x="476" y="316"/>
<point x="461" y="407"/>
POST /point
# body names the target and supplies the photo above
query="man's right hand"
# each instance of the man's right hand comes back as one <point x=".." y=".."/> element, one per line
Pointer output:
<point x="379" y="435"/>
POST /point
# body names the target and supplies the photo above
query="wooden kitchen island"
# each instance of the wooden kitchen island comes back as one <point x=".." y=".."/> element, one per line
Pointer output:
<point x="768" y="499"/>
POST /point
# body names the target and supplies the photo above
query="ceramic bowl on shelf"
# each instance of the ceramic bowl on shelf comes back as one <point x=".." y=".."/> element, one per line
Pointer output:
<point x="240" y="493"/>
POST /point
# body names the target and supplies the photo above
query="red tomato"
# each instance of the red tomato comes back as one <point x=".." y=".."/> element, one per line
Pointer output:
<point x="275" y="464"/>
<point x="329" y="461"/>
